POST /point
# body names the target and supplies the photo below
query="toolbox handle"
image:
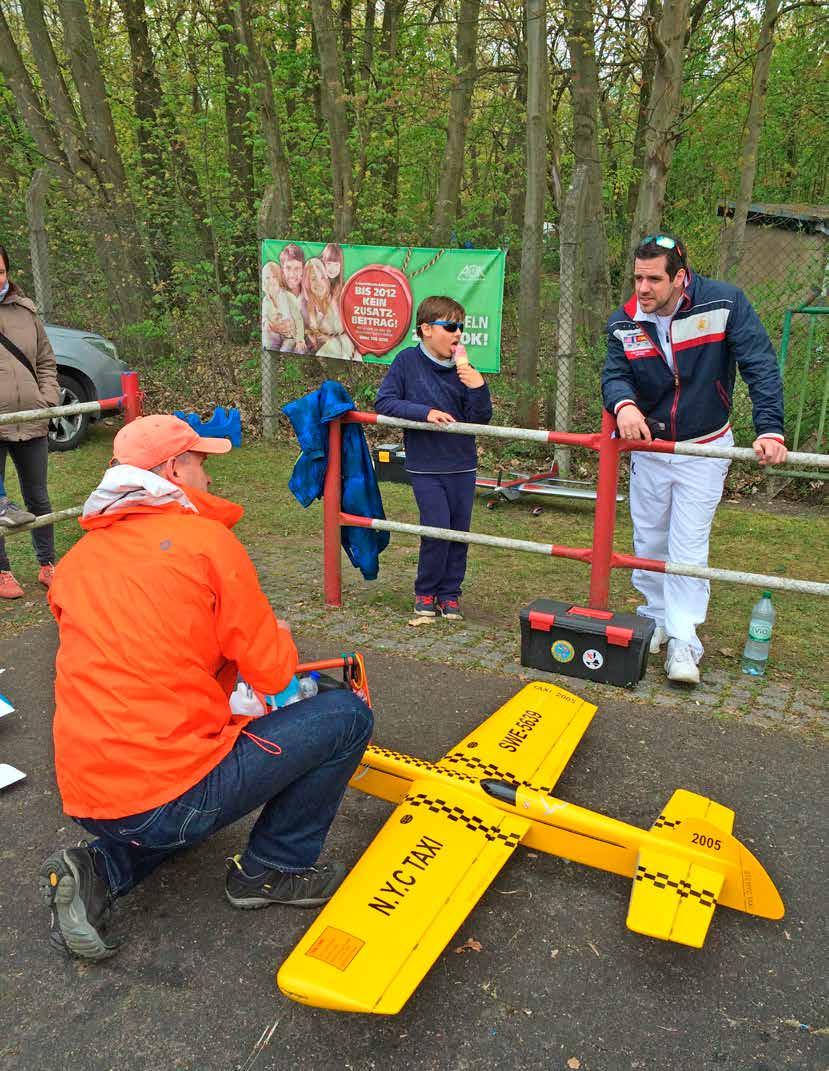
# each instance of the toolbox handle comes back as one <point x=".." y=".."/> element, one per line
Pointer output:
<point x="584" y="611"/>
<point x="619" y="637"/>
<point x="541" y="621"/>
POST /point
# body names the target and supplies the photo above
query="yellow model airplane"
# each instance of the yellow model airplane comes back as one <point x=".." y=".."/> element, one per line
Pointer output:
<point x="459" y="820"/>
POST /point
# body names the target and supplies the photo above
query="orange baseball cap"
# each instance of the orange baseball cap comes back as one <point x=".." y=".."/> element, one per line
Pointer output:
<point x="151" y="440"/>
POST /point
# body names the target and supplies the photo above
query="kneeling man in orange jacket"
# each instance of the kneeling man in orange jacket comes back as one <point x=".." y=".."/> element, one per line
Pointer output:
<point x="159" y="609"/>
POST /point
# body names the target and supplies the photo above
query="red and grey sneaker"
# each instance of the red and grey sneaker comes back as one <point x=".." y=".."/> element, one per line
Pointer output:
<point x="424" y="605"/>
<point x="9" y="587"/>
<point x="450" y="609"/>
<point x="46" y="574"/>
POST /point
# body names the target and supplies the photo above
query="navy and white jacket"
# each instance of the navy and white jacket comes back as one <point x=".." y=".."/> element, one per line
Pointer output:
<point x="413" y="385"/>
<point x="713" y="332"/>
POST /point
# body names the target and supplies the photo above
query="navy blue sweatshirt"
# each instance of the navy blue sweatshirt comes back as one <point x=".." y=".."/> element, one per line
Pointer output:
<point x="413" y="385"/>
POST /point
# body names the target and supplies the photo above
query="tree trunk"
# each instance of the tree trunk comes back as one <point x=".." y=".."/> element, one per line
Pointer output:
<point x="347" y="36"/>
<point x="735" y="234"/>
<point x="83" y="155"/>
<point x="390" y="130"/>
<point x="276" y="207"/>
<point x="460" y="103"/>
<point x="38" y="244"/>
<point x="595" y="292"/>
<point x="239" y="151"/>
<point x="532" y="241"/>
<point x="645" y="86"/>
<point x="663" y="115"/>
<point x="149" y="107"/>
<point x="367" y="61"/>
<point x="571" y="219"/>
<point x="333" y="106"/>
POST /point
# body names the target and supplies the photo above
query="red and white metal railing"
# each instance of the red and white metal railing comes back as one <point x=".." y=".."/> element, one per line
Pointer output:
<point x="131" y="403"/>
<point x="601" y="556"/>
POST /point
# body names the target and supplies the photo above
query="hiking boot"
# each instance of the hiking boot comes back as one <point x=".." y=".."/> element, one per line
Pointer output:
<point x="680" y="664"/>
<point x="657" y="639"/>
<point x="9" y="587"/>
<point x="11" y="514"/>
<point x="81" y="904"/>
<point x="304" y="888"/>
<point x="46" y="574"/>
<point x="424" y="605"/>
<point x="450" y="609"/>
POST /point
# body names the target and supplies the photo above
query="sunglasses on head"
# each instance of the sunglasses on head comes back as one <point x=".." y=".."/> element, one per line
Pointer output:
<point x="448" y="325"/>
<point x="664" y="242"/>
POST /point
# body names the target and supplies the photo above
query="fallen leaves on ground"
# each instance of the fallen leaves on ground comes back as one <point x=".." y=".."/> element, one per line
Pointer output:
<point x="574" y="1063"/>
<point x="469" y="945"/>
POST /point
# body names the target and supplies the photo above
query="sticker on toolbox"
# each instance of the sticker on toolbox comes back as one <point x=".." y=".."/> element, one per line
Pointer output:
<point x="592" y="658"/>
<point x="562" y="651"/>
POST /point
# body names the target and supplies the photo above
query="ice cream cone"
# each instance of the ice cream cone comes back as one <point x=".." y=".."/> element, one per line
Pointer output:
<point x="461" y="356"/>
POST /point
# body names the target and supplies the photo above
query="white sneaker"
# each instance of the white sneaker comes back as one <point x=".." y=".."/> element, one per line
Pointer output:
<point x="657" y="639"/>
<point x="680" y="665"/>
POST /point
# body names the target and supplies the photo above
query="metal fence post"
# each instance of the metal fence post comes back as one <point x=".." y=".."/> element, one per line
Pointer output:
<point x="331" y="509"/>
<point x="604" y="518"/>
<point x="133" y="398"/>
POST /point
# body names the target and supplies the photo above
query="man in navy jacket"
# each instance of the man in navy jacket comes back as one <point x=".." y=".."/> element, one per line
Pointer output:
<point x="672" y="355"/>
<point x="425" y="383"/>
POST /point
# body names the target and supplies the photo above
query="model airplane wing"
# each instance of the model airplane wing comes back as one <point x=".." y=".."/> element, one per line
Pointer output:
<point x="375" y="940"/>
<point x="528" y="741"/>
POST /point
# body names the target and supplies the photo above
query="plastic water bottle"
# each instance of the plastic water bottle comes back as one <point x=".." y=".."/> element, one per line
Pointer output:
<point x="290" y="694"/>
<point x="756" y="650"/>
<point x="308" y="685"/>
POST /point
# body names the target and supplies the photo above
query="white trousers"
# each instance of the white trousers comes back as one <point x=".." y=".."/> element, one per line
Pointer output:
<point x="673" y="498"/>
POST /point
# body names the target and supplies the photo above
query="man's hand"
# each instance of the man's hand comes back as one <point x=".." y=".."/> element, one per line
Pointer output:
<point x="631" y="424"/>
<point x="437" y="416"/>
<point x="469" y="376"/>
<point x="769" y="451"/>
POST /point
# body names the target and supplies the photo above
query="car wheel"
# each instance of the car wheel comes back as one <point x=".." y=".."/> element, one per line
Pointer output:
<point x="67" y="432"/>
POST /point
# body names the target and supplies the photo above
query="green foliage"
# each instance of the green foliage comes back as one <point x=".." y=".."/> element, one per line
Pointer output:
<point x="397" y="132"/>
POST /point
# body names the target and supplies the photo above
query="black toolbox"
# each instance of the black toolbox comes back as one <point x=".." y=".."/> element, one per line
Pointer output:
<point x="595" y="645"/>
<point x="390" y="463"/>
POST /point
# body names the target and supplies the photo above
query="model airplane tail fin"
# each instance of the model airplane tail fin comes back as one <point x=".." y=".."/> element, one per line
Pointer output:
<point x="675" y="892"/>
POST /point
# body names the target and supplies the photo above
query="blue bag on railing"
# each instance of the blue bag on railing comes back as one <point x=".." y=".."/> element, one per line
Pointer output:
<point x="224" y="424"/>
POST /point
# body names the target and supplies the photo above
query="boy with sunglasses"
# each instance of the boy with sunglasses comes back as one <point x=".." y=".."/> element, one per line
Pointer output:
<point x="672" y="355"/>
<point x="425" y="383"/>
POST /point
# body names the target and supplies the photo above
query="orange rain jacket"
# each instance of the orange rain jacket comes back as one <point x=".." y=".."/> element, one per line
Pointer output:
<point x="158" y="606"/>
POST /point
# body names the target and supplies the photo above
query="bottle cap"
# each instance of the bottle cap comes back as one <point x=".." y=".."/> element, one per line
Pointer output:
<point x="766" y="594"/>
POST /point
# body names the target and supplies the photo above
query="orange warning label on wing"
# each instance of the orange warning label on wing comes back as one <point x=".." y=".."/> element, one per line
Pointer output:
<point x="335" y="947"/>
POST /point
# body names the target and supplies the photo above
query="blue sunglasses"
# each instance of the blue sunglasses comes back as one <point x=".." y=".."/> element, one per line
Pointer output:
<point x="448" y="325"/>
<point x="663" y="241"/>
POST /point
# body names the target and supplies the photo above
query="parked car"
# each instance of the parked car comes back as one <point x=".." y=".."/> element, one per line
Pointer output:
<point x="88" y="369"/>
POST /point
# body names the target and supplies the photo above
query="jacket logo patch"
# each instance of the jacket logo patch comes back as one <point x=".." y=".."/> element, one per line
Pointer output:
<point x="635" y="341"/>
<point x="165" y="544"/>
<point x="702" y="323"/>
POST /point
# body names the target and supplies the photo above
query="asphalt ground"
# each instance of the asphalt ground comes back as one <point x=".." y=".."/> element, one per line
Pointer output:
<point x="558" y="982"/>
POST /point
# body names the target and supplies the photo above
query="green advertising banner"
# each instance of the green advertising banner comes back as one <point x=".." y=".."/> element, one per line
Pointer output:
<point x="358" y="302"/>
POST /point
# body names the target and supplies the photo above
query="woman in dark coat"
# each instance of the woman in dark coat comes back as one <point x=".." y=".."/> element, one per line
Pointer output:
<point x="28" y="380"/>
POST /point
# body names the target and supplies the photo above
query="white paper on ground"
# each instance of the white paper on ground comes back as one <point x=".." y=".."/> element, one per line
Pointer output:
<point x="9" y="775"/>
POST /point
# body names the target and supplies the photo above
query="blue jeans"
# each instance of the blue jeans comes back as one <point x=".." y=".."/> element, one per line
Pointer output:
<point x="321" y="741"/>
